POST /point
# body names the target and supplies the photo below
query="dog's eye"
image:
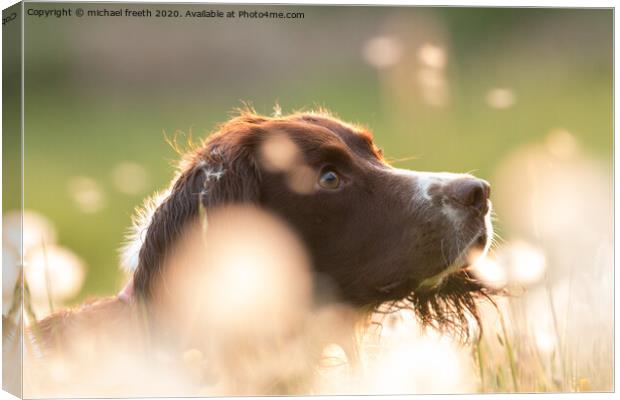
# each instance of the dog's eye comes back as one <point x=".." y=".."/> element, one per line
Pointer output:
<point x="329" y="180"/>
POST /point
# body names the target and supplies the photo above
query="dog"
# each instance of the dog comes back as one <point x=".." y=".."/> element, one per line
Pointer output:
<point x="373" y="234"/>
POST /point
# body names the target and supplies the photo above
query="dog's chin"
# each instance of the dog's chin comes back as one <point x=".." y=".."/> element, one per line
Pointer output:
<point x="447" y="300"/>
<point x="461" y="263"/>
<point x="476" y="251"/>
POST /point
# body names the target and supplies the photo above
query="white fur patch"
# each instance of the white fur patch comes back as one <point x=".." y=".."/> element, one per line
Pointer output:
<point x="141" y="220"/>
<point x="423" y="181"/>
<point x="453" y="214"/>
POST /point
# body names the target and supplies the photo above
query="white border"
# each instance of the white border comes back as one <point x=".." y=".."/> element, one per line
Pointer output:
<point x="436" y="3"/>
<point x="471" y="3"/>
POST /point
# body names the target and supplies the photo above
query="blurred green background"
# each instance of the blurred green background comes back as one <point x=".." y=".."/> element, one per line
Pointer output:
<point x="456" y="88"/>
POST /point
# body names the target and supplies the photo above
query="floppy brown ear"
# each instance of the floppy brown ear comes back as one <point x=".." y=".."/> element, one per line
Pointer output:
<point x="231" y="172"/>
<point x="221" y="172"/>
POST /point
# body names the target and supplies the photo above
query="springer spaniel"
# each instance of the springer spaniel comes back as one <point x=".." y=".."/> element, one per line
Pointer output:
<point x="374" y="234"/>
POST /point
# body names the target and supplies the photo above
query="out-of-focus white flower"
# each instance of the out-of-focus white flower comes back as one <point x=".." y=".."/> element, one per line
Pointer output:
<point x="10" y="273"/>
<point x="35" y="230"/>
<point x="545" y="340"/>
<point x="421" y="364"/>
<point x="398" y="356"/>
<point x="431" y="78"/>
<point x="432" y="56"/>
<point x="129" y="178"/>
<point x="249" y="270"/>
<point x="57" y="265"/>
<point x="301" y="179"/>
<point x="500" y="98"/>
<point x="433" y="86"/>
<point x="87" y="194"/>
<point x="490" y="272"/>
<point x="561" y="143"/>
<point x="279" y="153"/>
<point x="431" y="75"/>
<point x="382" y="51"/>
<point x="539" y="194"/>
<point x="525" y="263"/>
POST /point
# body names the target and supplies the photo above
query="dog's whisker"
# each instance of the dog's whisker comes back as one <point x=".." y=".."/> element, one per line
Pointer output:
<point x="402" y="159"/>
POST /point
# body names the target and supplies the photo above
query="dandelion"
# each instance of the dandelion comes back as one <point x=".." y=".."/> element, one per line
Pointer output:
<point x="490" y="272"/>
<point x="431" y="78"/>
<point x="382" y="51"/>
<point x="561" y="143"/>
<point x="87" y="194"/>
<point x="279" y="153"/>
<point x="61" y="266"/>
<point x="500" y="98"/>
<point x="421" y="364"/>
<point x="36" y="228"/>
<point x="526" y="264"/>
<point x="432" y="56"/>
<point x="10" y="274"/>
<point x="129" y="178"/>
<point x="17" y="237"/>
<point x="545" y="340"/>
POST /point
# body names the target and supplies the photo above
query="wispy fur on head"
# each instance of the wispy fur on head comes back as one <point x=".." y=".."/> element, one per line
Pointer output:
<point x="136" y="233"/>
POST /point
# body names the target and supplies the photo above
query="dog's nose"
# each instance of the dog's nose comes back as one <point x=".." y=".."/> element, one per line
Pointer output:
<point x="470" y="192"/>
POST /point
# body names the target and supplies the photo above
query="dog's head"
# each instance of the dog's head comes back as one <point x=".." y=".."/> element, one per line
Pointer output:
<point x="376" y="233"/>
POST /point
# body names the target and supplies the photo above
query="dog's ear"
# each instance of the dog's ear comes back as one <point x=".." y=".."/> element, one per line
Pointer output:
<point x="231" y="171"/>
<point x="220" y="172"/>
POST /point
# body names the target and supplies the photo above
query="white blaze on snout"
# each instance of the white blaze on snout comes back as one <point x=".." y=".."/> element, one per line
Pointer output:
<point x="427" y="185"/>
<point x="423" y="182"/>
